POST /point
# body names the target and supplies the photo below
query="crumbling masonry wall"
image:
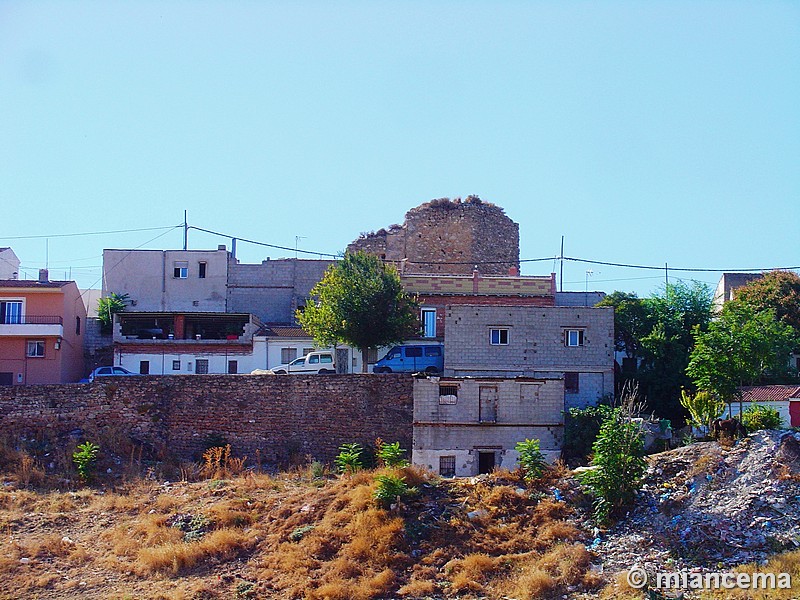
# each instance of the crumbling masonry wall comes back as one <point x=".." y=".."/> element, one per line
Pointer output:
<point x="281" y="417"/>
<point x="441" y="232"/>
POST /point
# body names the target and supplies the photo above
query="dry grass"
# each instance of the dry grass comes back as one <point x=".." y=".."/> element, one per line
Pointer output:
<point x="291" y="535"/>
<point x="177" y="557"/>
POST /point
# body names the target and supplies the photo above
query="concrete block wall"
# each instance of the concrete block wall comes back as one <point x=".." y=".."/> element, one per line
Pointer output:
<point x="452" y="426"/>
<point x="535" y="346"/>
<point x="278" y="416"/>
<point x="274" y="289"/>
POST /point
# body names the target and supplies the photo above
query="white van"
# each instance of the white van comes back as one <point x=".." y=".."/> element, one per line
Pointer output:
<point x="313" y="362"/>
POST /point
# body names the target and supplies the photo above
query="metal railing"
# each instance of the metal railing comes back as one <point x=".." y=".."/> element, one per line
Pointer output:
<point x="33" y="320"/>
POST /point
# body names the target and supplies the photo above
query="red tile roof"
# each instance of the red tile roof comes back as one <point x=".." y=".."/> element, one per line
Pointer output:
<point x="284" y="331"/>
<point x="766" y="393"/>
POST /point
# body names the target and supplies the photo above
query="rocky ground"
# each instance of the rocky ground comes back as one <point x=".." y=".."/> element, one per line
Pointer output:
<point x="711" y="506"/>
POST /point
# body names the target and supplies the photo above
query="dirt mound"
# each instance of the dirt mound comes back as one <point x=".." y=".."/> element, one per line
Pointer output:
<point x="706" y="505"/>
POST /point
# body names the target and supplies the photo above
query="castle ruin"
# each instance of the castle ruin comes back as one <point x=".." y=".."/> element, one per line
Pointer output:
<point x="448" y="237"/>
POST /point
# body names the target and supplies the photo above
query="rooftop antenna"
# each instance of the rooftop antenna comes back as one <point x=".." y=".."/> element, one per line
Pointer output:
<point x="561" y="280"/>
<point x="185" y="231"/>
<point x="297" y="239"/>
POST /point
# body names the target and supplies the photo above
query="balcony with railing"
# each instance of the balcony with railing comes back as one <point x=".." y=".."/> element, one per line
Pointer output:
<point x="31" y="325"/>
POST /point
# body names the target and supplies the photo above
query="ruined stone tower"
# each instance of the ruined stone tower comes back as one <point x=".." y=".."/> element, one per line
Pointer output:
<point x="448" y="237"/>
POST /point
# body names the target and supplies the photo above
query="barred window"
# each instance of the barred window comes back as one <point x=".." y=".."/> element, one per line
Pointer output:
<point x="447" y="466"/>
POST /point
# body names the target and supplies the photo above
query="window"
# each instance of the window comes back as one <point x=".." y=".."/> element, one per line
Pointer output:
<point x="176" y="365"/>
<point x="413" y="351"/>
<point x="233" y="367"/>
<point x="288" y="355"/>
<point x="307" y="351"/>
<point x="571" y="383"/>
<point x="499" y="337"/>
<point x="202" y="270"/>
<point x="314" y="359"/>
<point x="573" y="337"/>
<point x="201" y="366"/>
<point x="180" y="269"/>
<point x="326" y="358"/>
<point x="11" y="312"/>
<point x="433" y="350"/>
<point x="428" y="319"/>
<point x="447" y="466"/>
<point x="35" y="349"/>
<point x="77" y="325"/>
<point x="448" y="393"/>
<point x="144" y="367"/>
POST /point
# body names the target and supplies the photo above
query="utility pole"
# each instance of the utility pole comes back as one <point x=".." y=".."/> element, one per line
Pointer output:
<point x="561" y="279"/>
<point x="185" y="231"/>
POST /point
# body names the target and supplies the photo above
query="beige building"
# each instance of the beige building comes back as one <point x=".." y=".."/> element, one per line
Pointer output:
<point x="168" y="280"/>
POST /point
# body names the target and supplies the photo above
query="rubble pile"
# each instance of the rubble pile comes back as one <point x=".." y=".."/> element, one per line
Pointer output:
<point x="705" y="505"/>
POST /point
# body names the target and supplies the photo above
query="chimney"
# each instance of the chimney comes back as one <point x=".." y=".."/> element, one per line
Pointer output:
<point x="43" y="276"/>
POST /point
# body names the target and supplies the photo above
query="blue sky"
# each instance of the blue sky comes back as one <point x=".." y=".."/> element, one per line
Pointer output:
<point x="643" y="132"/>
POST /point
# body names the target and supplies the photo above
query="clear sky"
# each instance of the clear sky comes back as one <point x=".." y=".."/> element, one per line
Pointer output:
<point x="643" y="132"/>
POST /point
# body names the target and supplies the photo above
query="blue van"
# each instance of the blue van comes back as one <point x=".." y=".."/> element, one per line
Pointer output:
<point x="412" y="359"/>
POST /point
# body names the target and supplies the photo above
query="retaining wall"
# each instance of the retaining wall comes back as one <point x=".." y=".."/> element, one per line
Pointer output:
<point x="280" y="416"/>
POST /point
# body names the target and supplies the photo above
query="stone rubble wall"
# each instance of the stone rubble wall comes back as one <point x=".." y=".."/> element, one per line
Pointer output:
<point x="471" y="233"/>
<point x="280" y="416"/>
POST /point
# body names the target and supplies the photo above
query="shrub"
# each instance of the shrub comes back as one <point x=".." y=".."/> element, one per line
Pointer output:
<point x="761" y="417"/>
<point x="581" y="427"/>
<point x="703" y="407"/>
<point x="85" y="458"/>
<point x="391" y="455"/>
<point x="349" y="459"/>
<point x="218" y="463"/>
<point x="390" y="488"/>
<point x="531" y="459"/>
<point x="618" y="456"/>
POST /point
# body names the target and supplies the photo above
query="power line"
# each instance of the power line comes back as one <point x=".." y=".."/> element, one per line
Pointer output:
<point x="61" y="235"/>
<point x="262" y="243"/>
<point x="689" y="269"/>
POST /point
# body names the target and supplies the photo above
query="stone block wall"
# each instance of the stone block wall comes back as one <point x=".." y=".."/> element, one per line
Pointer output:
<point x="279" y="416"/>
<point x="449" y="236"/>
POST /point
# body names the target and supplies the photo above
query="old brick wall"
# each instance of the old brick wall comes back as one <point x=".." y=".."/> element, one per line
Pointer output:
<point x="443" y="231"/>
<point x="279" y="416"/>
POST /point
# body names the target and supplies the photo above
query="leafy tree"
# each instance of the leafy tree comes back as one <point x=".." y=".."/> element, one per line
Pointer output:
<point x="108" y="306"/>
<point x="777" y="290"/>
<point x="360" y="301"/>
<point x="657" y="331"/>
<point x="632" y="322"/>
<point x="740" y="348"/>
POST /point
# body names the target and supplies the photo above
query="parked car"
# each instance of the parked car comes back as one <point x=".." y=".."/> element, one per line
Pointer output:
<point x="313" y="362"/>
<point x="108" y="372"/>
<point x="412" y="359"/>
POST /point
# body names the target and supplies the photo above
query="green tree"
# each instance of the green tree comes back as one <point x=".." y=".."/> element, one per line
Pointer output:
<point x="740" y="348"/>
<point x="704" y="407"/>
<point x="108" y="306"/>
<point x="776" y="290"/>
<point x="360" y="301"/>
<point x="657" y="331"/>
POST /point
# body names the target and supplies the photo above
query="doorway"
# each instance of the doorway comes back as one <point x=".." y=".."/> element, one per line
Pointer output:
<point x="485" y="462"/>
